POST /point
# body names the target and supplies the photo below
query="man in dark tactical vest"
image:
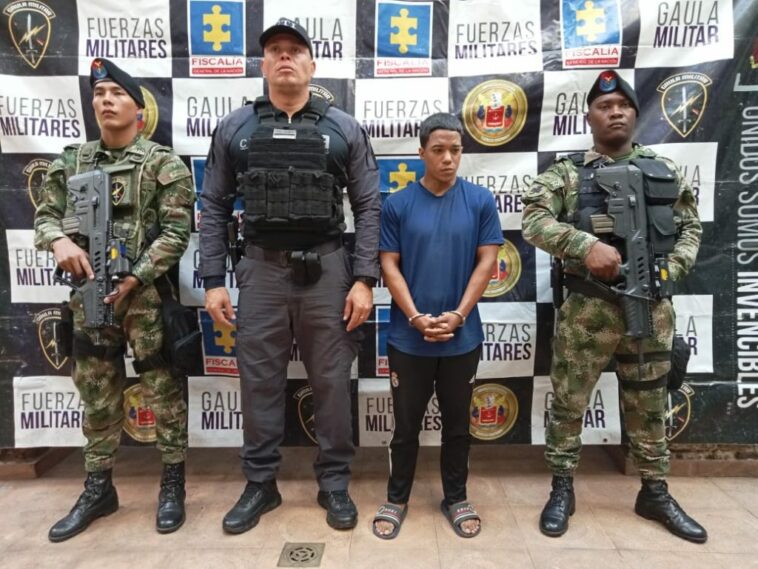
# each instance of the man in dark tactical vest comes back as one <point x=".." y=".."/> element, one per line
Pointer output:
<point x="289" y="156"/>
<point x="567" y="215"/>
<point x="152" y="198"/>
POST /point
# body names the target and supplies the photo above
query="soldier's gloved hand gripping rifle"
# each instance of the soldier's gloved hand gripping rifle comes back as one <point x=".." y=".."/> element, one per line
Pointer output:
<point x="93" y="219"/>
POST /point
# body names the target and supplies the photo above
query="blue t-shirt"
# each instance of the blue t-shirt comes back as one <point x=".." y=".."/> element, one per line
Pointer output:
<point x="437" y="238"/>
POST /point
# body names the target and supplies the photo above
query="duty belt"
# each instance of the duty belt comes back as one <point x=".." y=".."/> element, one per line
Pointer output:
<point x="284" y="257"/>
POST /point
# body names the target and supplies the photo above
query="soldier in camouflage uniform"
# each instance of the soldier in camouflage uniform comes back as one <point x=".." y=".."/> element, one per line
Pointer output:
<point x="151" y="187"/>
<point x="591" y="326"/>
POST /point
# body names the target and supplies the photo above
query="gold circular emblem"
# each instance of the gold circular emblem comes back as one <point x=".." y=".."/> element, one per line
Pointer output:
<point x="506" y="272"/>
<point x="149" y="121"/>
<point x="304" y="398"/>
<point x="494" y="112"/>
<point x="139" y="421"/>
<point x="494" y="409"/>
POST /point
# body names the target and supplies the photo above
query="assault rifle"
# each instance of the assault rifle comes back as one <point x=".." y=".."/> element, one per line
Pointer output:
<point x="627" y="221"/>
<point x="93" y="219"/>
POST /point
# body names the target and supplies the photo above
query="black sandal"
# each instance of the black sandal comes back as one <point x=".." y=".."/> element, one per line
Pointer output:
<point x="459" y="513"/>
<point x="393" y="514"/>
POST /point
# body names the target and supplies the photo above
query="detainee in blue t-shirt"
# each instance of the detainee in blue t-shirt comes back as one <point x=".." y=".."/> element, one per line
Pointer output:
<point x="438" y="245"/>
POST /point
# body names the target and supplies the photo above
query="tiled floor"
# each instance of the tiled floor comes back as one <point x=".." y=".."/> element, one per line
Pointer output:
<point x="508" y="485"/>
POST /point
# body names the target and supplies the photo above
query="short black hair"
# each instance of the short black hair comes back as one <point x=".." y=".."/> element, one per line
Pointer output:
<point x="439" y="121"/>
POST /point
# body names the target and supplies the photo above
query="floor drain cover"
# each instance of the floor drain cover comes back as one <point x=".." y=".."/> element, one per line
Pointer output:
<point x="301" y="555"/>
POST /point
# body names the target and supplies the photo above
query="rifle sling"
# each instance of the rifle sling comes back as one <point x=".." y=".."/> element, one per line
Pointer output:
<point x="648" y="357"/>
<point x="644" y="385"/>
<point x="589" y="288"/>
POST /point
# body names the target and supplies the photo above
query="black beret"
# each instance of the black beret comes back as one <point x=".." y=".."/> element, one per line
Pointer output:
<point x="105" y="70"/>
<point x="608" y="82"/>
<point x="287" y="26"/>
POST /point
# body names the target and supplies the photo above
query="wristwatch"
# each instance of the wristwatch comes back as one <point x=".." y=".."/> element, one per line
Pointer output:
<point x="370" y="282"/>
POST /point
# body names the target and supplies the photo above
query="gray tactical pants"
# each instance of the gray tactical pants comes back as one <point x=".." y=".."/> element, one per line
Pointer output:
<point x="271" y="311"/>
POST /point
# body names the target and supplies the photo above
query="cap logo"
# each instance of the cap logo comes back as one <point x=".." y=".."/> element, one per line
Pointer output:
<point x="608" y="82"/>
<point x="98" y="70"/>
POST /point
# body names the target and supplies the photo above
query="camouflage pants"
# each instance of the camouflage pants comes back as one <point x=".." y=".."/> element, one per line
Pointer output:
<point x="101" y="382"/>
<point x="589" y="332"/>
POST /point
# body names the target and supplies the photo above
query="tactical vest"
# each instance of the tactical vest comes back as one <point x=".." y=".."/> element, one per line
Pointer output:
<point x="661" y="192"/>
<point x="286" y="186"/>
<point x="132" y="191"/>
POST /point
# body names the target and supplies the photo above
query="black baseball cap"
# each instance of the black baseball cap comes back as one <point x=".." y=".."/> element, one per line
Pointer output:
<point x="105" y="70"/>
<point x="287" y="26"/>
<point x="608" y="82"/>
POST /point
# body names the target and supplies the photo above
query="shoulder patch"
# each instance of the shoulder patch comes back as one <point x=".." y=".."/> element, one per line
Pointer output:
<point x="173" y="171"/>
<point x="536" y="191"/>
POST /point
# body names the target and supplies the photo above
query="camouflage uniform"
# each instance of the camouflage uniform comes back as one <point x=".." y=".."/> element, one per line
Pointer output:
<point x="591" y="330"/>
<point x="165" y="195"/>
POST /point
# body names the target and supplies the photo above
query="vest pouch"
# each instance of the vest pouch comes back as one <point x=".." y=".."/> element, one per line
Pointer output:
<point x="659" y="182"/>
<point x="312" y="196"/>
<point x="662" y="228"/>
<point x="252" y="185"/>
<point x="590" y="203"/>
<point x="277" y="195"/>
<point x="125" y="185"/>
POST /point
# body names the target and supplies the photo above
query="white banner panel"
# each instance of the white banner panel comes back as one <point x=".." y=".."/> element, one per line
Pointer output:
<point x="602" y="419"/>
<point x="199" y="104"/>
<point x="47" y="411"/>
<point x="391" y="111"/>
<point x="694" y="322"/>
<point x="697" y="162"/>
<point x="214" y="412"/>
<point x="40" y="114"/>
<point x="191" y="291"/>
<point x="330" y="25"/>
<point x="510" y="337"/>
<point x="679" y="33"/>
<point x="484" y="35"/>
<point x="507" y="176"/>
<point x="135" y="35"/>
<point x="375" y="419"/>
<point x="31" y="271"/>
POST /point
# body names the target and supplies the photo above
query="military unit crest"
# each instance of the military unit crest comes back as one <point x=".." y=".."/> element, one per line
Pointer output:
<point x="35" y="172"/>
<point x="684" y="98"/>
<point x="494" y="410"/>
<point x="495" y="112"/>
<point x="30" y="26"/>
<point x="48" y="336"/>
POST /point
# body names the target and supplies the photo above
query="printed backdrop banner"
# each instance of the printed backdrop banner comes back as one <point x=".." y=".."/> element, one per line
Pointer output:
<point x="516" y="73"/>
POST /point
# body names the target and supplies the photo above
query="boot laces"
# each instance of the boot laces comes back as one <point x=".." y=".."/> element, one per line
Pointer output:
<point x="94" y="488"/>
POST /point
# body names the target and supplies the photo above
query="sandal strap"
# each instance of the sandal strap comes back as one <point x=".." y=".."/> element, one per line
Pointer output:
<point x="462" y="511"/>
<point x="390" y="513"/>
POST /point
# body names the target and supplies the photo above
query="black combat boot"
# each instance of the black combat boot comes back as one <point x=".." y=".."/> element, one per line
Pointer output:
<point x="98" y="499"/>
<point x="554" y="520"/>
<point x="655" y="503"/>
<point x="170" y="516"/>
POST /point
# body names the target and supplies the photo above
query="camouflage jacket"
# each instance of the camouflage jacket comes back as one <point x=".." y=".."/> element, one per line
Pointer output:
<point x="149" y="183"/>
<point x="553" y="196"/>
